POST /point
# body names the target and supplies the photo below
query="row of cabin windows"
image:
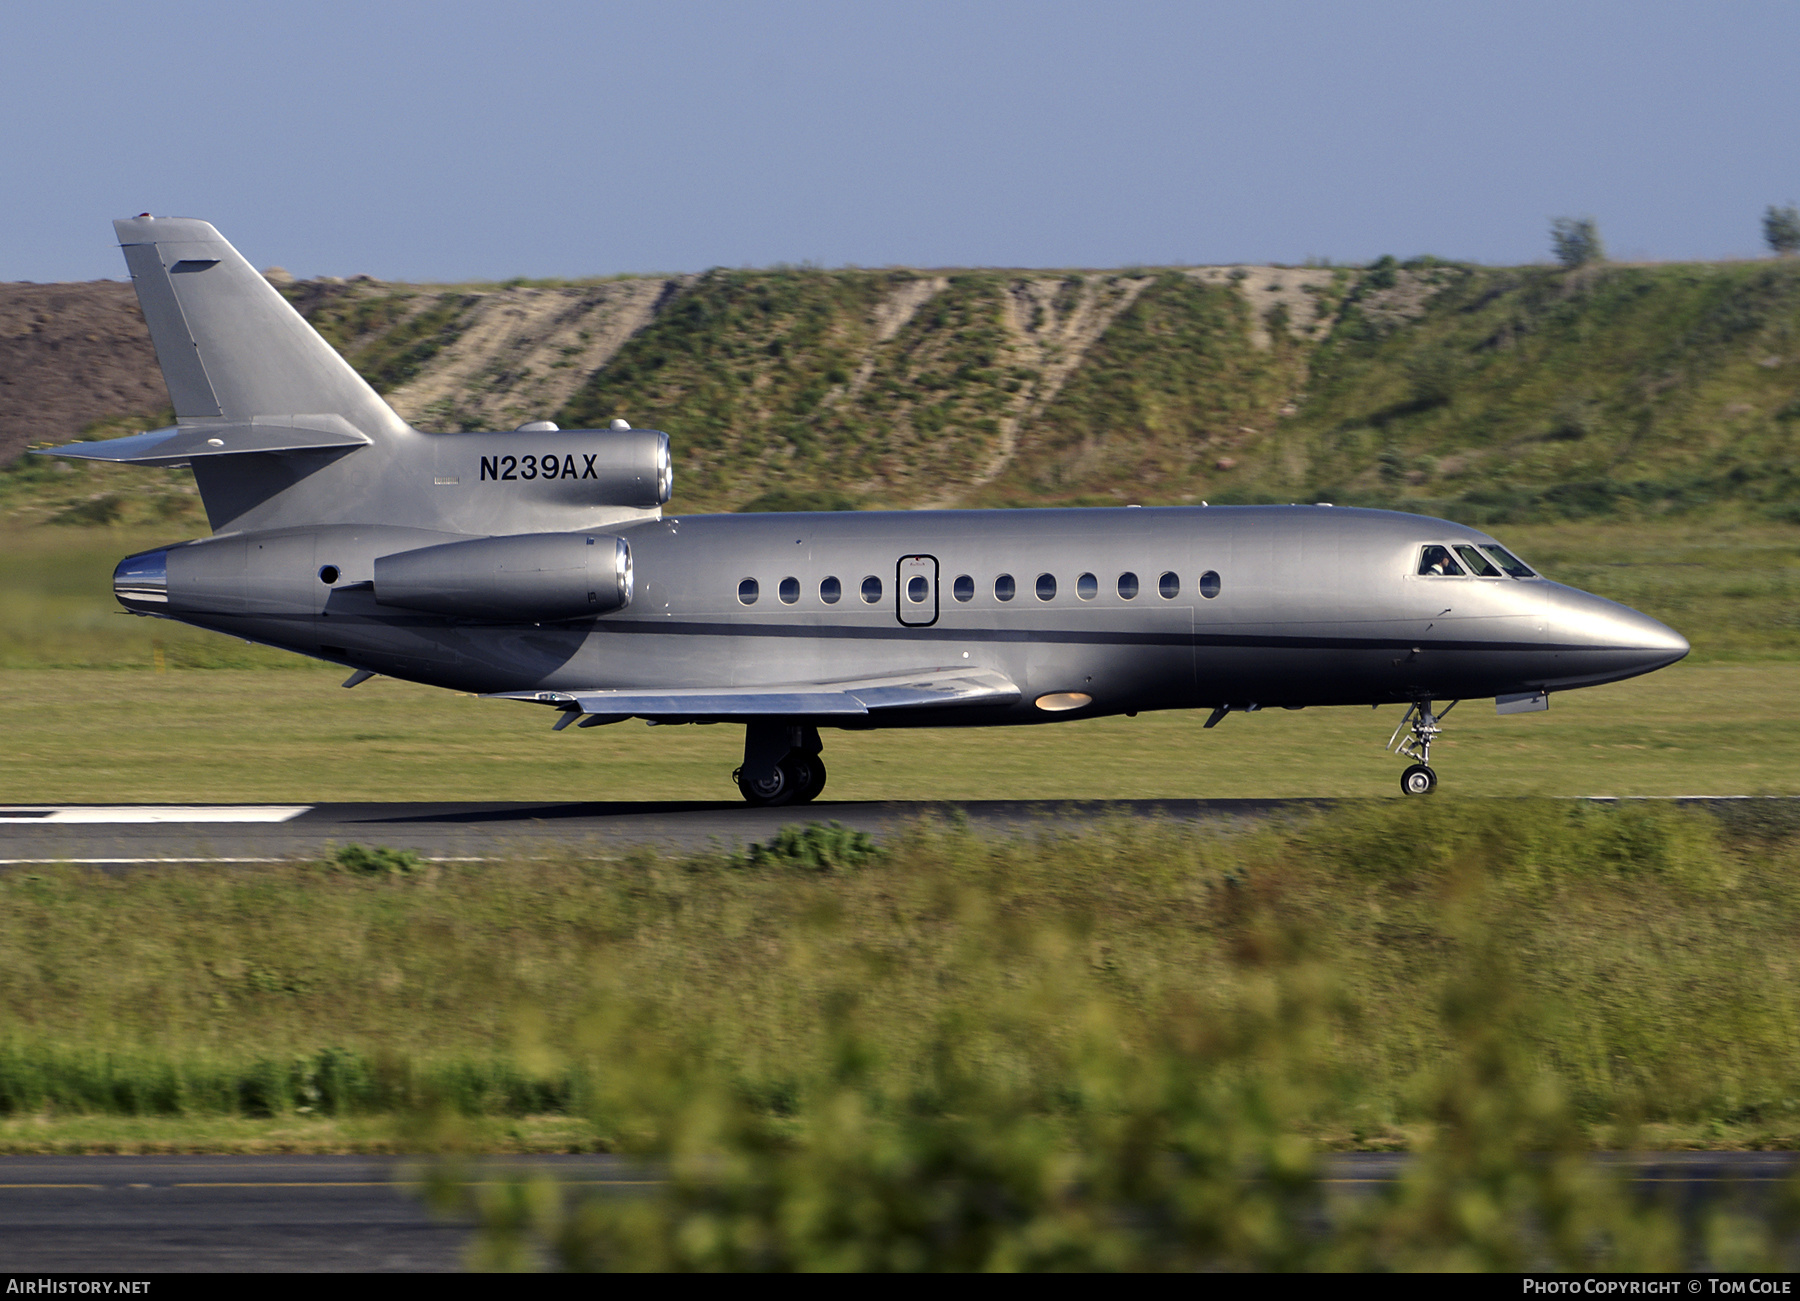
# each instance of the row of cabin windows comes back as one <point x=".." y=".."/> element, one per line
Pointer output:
<point x="918" y="588"/>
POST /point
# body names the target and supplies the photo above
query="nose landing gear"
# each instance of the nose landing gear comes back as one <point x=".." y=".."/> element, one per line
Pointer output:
<point x="1421" y="727"/>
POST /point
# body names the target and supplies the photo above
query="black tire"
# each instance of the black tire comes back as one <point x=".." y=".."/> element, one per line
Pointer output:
<point x="779" y="789"/>
<point x="1418" y="780"/>
<point x="815" y="779"/>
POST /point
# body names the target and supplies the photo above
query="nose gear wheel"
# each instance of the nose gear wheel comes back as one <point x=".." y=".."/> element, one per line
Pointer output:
<point x="1419" y="727"/>
<point x="1418" y="780"/>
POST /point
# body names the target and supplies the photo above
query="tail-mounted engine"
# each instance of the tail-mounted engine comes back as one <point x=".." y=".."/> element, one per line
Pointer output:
<point x="533" y="577"/>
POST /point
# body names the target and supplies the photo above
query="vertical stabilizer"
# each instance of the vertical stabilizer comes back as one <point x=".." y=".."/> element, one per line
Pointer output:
<point x="230" y="346"/>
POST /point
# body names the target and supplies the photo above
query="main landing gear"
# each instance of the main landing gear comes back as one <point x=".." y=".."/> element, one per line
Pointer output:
<point x="781" y="765"/>
<point x="1421" y="727"/>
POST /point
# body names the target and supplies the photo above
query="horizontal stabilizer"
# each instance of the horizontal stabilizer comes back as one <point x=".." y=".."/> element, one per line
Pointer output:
<point x="181" y="444"/>
<point x="923" y="689"/>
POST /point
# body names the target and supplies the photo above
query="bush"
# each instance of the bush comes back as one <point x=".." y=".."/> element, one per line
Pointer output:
<point x="377" y="860"/>
<point x="815" y="847"/>
<point x="1576" y="241"/>
<point x="1781" y="230"/>
<point x="1181" y="1154"/>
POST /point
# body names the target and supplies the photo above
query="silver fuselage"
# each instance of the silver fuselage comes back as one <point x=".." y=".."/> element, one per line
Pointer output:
<point x="1314" y="606"/>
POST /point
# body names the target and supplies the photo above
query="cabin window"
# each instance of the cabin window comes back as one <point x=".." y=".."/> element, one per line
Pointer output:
<point x="1004" y="588"/>
<point x="830" y="591"/>
<point x="1046" y="587"/>
<point x="748" y="591"/>
<point x="964" y="588"/>
<point x="1169" y="585"/>
<point x="1128" y="586"/>
<point x="917" y="589"/>
<point x="1509" y="562"/>
<point x="1209" y="584"/>
<point x="1477" y="562"/>
<point x="789" y="591"/>
<point x="1437" y="562"/>
<point x="871" y="589"/>
<point x="1087" y="587"/>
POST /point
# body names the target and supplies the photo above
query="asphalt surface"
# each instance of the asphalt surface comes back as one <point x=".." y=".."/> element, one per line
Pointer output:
<point x="184" y="1214"/>
<point x="130" y="834"/>
<point x="188" y="1214"/>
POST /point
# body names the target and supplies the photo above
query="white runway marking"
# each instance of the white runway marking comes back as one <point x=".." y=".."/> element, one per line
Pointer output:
<point x="121" y="813"/>
<point x="185" y="860"/>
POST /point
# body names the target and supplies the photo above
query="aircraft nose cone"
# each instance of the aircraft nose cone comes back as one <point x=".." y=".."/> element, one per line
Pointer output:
<point x="1661" y="639"/>
<point x="1610" y="636"/>
<point x="142" y="581"/>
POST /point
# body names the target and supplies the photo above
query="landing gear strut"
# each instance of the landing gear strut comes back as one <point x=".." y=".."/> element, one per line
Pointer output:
<point x="781" y="765"/>
<point x="1421" y="727"/>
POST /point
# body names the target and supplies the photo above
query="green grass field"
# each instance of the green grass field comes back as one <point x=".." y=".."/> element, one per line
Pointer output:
<point x="237" y="735"/>
<point x="1638" y="953"/>
<point x="88" y="717"/>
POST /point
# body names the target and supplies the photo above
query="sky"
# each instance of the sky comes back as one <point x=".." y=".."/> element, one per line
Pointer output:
<point x="457" y="141"/>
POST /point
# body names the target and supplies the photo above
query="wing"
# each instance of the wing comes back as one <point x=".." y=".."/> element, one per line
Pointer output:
<point x="920" y="689"/>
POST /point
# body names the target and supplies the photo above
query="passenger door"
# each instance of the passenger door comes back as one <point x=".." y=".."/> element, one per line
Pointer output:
<point x="916" y="590"/>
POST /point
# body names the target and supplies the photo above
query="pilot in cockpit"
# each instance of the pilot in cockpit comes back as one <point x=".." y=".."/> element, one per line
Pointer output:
<point x="1437" y="562"/>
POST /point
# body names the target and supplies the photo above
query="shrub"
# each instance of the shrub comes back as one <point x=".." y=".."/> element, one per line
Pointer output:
<point x="377" y="860"/>
<point x="1576" y="241"/>
<point x="1781" y="230"/>
<point x="815" y="847"/>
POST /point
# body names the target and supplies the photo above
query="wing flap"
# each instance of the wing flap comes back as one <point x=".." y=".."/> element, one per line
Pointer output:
<point x="920" y="689"/>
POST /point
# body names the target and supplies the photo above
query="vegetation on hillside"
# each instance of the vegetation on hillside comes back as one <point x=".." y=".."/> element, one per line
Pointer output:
<point x="1491" y="395"/>
<point x="1529" y="393"/>
<point x="1172" y="397"/>
<point x="742" y="364"/>
<point x="1487" y="394"/>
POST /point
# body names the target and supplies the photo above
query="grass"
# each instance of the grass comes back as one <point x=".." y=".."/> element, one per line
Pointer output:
<point x="1168" y="389"/>
<point x="238" y="735"/>
<point x="1719" y="723"/>
<point x="1645" y="947"/>
<point x="1532" y="392"/>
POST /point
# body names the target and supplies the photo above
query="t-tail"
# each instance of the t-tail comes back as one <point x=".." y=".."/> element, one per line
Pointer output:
<point x="282" y="432"/>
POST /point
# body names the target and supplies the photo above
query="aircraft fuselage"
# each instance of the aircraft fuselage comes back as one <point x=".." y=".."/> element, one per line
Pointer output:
<point x="1310" y="605"/>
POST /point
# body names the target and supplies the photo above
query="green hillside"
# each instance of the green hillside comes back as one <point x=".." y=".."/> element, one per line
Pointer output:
<point x="1536" y="392"/>
<point x="1493" y="395"/>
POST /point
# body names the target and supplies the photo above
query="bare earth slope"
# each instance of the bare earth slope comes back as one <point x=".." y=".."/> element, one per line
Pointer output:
<point x="70" y="355"/>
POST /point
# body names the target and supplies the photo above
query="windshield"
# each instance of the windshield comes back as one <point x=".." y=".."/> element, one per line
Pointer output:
<point x="1514" y="567"/>
<point x="1478" y="562"/>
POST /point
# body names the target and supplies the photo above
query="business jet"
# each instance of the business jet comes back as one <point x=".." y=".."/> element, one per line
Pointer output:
<point x="539" y="565"/>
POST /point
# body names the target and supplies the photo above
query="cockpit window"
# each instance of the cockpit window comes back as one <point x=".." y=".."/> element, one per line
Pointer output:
<point x="1477" y="562"/>
<point x="1437" y="562"/>
<point x="1514" y="567"/>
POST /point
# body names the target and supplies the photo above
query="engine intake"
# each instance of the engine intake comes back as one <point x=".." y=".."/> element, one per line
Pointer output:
<point x="531" y="577"/>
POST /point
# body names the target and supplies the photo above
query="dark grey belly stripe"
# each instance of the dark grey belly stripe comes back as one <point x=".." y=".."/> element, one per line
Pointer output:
<point x="1070" y="637"/>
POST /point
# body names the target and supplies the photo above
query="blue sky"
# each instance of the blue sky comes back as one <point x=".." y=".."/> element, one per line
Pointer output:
<point x="457" y="140"/>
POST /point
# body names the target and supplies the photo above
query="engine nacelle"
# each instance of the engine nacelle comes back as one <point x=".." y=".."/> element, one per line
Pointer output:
<point x="529" y="577"/>
<point x="587" y="467"/>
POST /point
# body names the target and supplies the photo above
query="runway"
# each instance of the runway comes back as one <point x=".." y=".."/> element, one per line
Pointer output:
<point x="167" y="1214"/>
<point x="126" y="835"/>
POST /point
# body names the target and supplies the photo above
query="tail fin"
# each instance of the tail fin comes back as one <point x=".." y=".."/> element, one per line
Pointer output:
<point x="230" y="346"/>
